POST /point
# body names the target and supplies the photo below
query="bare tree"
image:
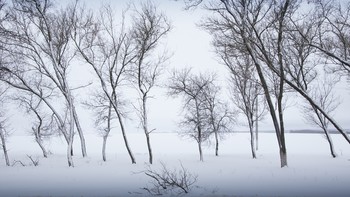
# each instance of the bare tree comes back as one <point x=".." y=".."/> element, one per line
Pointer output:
<point x="323" y="94"/>
<point x="149" y="27"/>
<point x="40" y="36"/>
<point x="255" y="29"/>
<point x="245" y="90"/>
<point x="109" y="52"/>
<point x="103" y="111"/>
<point x="331" y="24"/>
<point x="219" y="116"/>
<point x="261" y="30"/>
<point x="43" y="127"/>
<point x="193" y="90"/>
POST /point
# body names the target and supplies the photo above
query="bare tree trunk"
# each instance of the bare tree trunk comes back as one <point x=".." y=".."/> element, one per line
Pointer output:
<point x="257" y="124"/>
<point x="106" y="134"/>
<point x="37" y="132"/>
<point x="252" y="139"/>
<point x="70" y="142"/>
<point x="200" y="142"/>
<point x="149" y="148"/>
<point x="283" y="154"/>
<point x="70" y="106"/>
<point x="283" y="149"/>
<point x="3" y="142"/>
<point x="145" y="128"/>
<point x="69" y="153"/>
<point x="216" y="143"/>
<point x="40" y="142"/>
<point x="104" y="147"/>
<point x="330" y="142"/>
<point x="133" y="161"/>
<point x="283" y="157"/>
<point x="80" y="132"/>
<point x="200" y="151"/>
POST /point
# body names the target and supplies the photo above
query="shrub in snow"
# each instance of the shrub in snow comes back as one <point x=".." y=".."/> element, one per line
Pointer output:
<point x="165" y="181"/>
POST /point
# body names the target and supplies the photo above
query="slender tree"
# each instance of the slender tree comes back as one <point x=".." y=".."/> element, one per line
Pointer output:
<point x="44" y="126"/>
<point x="104" y="116"/>
<point x="323" y="94"/>
<point x="109" y="51"/>
<point x="219" y="116"/>
<point x="193" y="89"/>
<point x="149" y="27"/>
<point x="245" y="90"/>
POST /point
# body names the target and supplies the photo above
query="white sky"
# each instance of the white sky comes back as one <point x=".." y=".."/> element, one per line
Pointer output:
<point x="190" y="46"/>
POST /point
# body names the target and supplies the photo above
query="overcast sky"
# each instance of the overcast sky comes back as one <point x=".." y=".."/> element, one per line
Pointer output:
<point x="190" y="46"/>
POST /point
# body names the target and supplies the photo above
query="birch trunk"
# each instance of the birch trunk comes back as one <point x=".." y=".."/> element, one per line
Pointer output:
<point x="145" y="128"/>
<point x="3" y="142"/>
<point x="71" y="138"/>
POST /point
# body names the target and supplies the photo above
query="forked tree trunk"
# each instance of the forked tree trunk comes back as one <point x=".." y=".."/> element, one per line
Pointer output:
<point x="269" y="102"/>
<point x="80" y="132"/>
<point x="70" y="104"/>
<point x="37" y="133"/>
<point x="3" y="142"/>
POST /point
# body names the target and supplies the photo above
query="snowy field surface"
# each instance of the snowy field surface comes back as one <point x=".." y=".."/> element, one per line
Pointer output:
<point x="311" y="170"/>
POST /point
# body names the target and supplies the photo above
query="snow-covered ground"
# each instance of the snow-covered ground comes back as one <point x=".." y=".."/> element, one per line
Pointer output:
<point x="311" y="171"/>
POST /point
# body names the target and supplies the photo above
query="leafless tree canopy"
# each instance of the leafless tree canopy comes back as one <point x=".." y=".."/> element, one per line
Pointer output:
<point x="203" y="112"/>
<point x="281" y="40"/>
<point x="323" y="95"/>
<point x="149" y="27"/>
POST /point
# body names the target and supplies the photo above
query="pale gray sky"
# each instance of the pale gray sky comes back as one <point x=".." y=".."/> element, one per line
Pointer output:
<point x="191" y="47"/>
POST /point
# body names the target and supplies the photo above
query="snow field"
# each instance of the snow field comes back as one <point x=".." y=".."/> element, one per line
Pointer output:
<point x="311" y="170"/>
